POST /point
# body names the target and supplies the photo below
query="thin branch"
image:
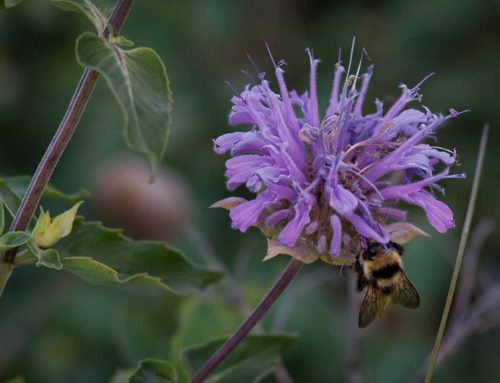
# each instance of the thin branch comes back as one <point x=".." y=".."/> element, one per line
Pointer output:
<point x="460" y="254"/>
<point x="235" y="295"/>
<point x="487" y="303"/>
<point x="240" y="334"/>
<point x="63" y="134"/>
<point x="472" y="323"/>
<point x="469" y="270"/>
<point x="464" y="318"/>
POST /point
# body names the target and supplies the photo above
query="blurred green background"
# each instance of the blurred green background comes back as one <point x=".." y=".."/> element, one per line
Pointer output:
<point x="54" y="328"/>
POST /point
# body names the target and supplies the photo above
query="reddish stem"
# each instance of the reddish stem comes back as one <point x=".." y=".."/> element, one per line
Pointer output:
<point x="240" y="334"/>
<point x="63" y="134"/>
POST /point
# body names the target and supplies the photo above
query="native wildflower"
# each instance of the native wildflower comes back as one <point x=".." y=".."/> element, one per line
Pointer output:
<point x="328" y="184"/>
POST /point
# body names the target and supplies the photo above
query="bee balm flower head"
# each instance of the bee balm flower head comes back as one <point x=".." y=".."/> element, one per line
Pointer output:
<point x="329" y="182"/>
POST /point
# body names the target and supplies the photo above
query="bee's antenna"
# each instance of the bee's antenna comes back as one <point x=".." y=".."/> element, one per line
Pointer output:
<point x="341" y="273"/>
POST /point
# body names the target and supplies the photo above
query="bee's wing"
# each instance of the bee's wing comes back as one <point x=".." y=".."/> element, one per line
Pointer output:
<point x="369" y="307"/>
<point x="406" y="294"/>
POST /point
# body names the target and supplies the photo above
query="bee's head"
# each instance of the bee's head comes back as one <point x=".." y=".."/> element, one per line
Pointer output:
<point x="372" y="249"/>
<point x="397" y="247"/>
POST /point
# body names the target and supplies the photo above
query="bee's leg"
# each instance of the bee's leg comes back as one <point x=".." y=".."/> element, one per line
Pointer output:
<point x="357" y="267"/>
<point x="361" y="282"/>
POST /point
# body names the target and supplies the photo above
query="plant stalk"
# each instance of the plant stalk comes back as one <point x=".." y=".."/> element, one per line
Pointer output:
<point x="63" y="134"/>
<point x="460" y="255"/>
<point x="280" y="285"/>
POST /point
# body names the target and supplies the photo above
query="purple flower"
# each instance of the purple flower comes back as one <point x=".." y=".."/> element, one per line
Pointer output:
<point x="333" y="182"/>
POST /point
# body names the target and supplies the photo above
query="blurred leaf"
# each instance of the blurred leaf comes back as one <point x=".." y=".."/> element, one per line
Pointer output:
<point x="269" y="377"/>
<point x="13" y="239"/>
<point x="10" y="3"/>
<point x="123" y="41"/>
<point x="9" y="197"/>
<point x="17" y="379"/>
<point x="122" y="376"/>
<point x="97" y="11"/>
<point x="2" y="218"/>
<point x="199" y="316"/>
<point x="19" y="184"/>
<point x="138" y="80"/>
<point x="105" y="256"/>
<point x="154" y="371"/>
<point x="47" y="232"/>
<point x="249" y="362"/>
<point x="13" y="188"/>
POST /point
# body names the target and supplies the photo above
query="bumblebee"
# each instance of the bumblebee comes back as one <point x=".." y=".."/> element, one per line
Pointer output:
<point x="380" y="274"/>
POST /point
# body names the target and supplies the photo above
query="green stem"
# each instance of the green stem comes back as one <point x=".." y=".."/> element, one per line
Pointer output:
<point x="460" y="255"/>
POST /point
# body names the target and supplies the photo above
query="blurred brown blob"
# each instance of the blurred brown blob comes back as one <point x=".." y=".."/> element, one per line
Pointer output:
<point x="124" y="193"/>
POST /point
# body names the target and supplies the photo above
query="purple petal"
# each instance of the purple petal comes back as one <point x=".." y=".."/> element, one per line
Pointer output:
<point x="391" y="212"/>
<point x="312" y="106"/>
<point x="365" y="230"/>
<point x="250" y="143"/>
<point x="290" y="234"/>
<point x="277" y="216"/>
<point x="321" y="245"/>
<point x="402" y="191"/>
<point x="362" y="93"/>
<point x="438" y="213"/>
<point x="246" y="214"/>
<point x="334" y="98"/>
<point x="312" y="227"/>
<point x="342" y="200"/>
<point x="336" y="236"/>
<point x="240" y="169"/>
<point x="225" y="142"/>
<point x="288" y="112"/>
<point x="390" y="161"/>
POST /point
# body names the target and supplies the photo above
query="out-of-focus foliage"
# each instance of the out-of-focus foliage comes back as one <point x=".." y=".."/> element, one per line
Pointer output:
<point x="44" y="315"/>
<point x="251" y="361"/>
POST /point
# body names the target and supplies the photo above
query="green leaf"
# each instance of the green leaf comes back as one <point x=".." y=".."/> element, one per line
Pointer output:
<point x="2" y="218"/>
<point x="154" y="371"/>
<point x="11" y="3"/>
<point x="97" y="11"/>
<point x="249" y="362"/>
<point x="139" y="82"/>
<point x="13" y="239"/>
<point x="51" y="259"/>
<point x="105" y="256"/>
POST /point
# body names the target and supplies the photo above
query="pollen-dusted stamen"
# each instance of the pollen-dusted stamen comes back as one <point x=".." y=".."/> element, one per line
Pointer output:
<point x="327" y="183"/>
